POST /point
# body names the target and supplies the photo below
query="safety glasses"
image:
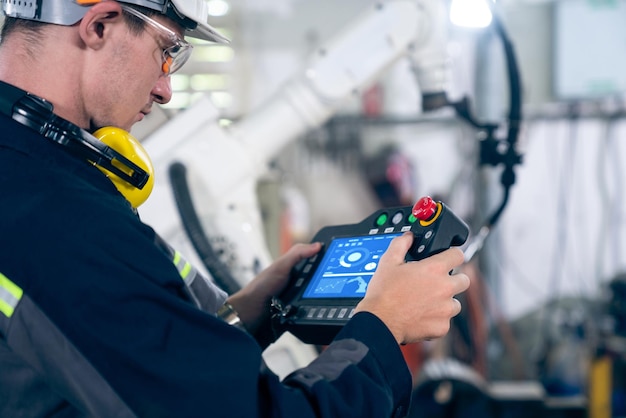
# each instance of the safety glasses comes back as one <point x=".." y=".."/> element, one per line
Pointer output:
<point x="174" y="56"/>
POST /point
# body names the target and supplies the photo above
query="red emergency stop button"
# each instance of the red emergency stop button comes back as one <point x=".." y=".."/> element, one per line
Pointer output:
<point x="425" y="208"/>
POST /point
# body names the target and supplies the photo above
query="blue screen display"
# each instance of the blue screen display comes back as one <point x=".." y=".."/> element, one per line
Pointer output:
<point x="347" y="267"/>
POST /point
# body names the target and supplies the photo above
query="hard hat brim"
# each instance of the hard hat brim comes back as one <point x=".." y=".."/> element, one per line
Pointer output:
<point x="206" y="32"/>
<point x="198" y="11"/>
<point x="68" y="13"/>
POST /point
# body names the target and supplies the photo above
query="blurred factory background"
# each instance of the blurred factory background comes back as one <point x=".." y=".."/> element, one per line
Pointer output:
<point x="543" y="331"/>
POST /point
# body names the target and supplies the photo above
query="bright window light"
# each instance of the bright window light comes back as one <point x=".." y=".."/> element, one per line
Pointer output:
<point x="210" y="81"/>
<point x="470" y="13"/>
<point x="179" y="82"/>
<point x="225" y="123"/>
<point x="222" y="99"/>
<point x="180" y="100"/>
<point x="213" y="53"/>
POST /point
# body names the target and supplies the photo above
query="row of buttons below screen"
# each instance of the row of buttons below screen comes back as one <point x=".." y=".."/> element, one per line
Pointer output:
<point x="328" y="312"/>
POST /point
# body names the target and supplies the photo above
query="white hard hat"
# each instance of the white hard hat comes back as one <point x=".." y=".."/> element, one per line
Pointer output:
<point x="190" y="14"/>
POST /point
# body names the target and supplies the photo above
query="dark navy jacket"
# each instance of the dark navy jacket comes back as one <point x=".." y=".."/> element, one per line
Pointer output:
<point x="95" y="319"/>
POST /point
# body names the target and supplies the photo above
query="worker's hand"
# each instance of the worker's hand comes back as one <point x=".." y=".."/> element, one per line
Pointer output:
<point x="252" y="302"/>
<point x="415" y="299"/>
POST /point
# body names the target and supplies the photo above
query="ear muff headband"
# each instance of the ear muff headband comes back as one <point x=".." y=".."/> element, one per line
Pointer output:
<point x="127" y="173"/>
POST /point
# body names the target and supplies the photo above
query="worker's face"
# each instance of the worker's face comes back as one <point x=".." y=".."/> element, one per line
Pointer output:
<point x="129" y="76"/>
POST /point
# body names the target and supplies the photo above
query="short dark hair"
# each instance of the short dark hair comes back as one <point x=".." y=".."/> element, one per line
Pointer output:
<point x="13" y="24"/>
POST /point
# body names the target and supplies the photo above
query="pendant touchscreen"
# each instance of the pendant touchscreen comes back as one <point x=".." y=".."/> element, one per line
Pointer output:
<point x="324" y="289"/>
<point x="347" y="267"/>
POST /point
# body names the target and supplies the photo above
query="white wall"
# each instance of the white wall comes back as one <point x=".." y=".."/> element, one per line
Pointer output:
<point x="563" y="231"/>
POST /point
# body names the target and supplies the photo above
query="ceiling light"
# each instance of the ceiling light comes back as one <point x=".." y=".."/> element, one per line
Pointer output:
<point x="470" y="13"/>
<point x="218" y="7"/>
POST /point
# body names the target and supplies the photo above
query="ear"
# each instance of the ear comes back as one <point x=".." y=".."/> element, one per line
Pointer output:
<point x="94" y="26"/>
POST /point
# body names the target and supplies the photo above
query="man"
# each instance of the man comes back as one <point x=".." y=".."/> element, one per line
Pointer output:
<point x="97" y="317"/>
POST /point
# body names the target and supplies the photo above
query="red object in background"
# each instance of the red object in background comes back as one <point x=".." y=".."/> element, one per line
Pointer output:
<point x="414" y="357"/>
<point x="425" y="208"/>
<point x="372" y="101"/>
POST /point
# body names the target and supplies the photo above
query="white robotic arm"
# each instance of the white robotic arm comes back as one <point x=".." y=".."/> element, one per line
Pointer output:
<point x="224" y="164"/>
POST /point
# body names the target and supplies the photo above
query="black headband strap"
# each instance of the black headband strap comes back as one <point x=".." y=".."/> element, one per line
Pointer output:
<point x="37" y="114"/>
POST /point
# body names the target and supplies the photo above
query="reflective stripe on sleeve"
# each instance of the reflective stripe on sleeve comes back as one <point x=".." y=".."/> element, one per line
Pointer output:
<point x="10" y="295"/>
<point x="182" y="265"/>
<point x="202" y="292"/>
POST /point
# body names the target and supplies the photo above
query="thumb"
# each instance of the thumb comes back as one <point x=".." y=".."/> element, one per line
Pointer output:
<point x="398" y="248"/>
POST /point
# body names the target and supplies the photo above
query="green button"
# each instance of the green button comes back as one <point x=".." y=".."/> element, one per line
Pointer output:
<point x="412" y="218"/>
<point x="382" y="219"/>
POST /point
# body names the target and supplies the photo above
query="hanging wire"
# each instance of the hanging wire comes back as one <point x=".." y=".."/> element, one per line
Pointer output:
<point x="491" y="153"/>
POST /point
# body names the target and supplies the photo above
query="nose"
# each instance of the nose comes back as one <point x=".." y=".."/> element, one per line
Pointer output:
<point x="162" y="90"/>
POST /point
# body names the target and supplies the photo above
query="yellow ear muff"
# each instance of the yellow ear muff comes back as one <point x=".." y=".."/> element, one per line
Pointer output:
<point x="127" y="145"/>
